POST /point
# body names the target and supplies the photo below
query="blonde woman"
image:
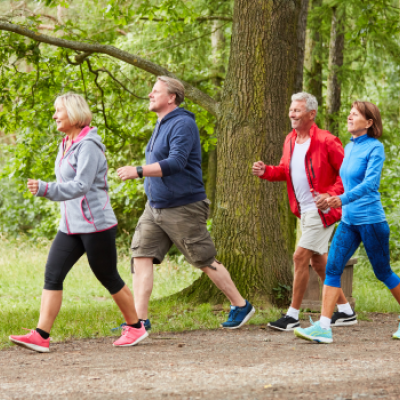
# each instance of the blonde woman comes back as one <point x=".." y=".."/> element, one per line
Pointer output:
<point x="88" y="224"/>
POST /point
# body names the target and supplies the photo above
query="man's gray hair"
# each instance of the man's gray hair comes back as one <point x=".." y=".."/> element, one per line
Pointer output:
<point x="174" y="87"/>
<point x="311" y="101"/>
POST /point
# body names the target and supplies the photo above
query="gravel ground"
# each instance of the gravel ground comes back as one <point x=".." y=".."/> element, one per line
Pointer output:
<point x="249" y="363"/>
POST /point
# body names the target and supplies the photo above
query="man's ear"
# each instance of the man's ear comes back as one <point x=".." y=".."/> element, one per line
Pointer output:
<point x="313" y="114"/>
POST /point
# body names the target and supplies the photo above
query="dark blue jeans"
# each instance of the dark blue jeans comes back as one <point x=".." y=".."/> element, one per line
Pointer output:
<point x="376" y="242"/>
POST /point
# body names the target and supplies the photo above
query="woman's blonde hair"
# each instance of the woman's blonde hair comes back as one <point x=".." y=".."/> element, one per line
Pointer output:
<point x="78" y="110"/>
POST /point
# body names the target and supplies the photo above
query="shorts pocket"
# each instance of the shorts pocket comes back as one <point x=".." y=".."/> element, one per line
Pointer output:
<point x="136" y="238"/>
<point x="200" y="249"/>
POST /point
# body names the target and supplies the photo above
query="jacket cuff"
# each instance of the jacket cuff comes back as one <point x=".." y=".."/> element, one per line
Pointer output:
<point x="165" y="168"/>
<point x="265" y="175"/>
<point x="43" y="187"/>
<point x="345" y="199"/>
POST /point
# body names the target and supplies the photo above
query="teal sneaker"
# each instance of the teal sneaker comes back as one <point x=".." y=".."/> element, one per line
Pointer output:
<point x="396" y="335"/>
<point x="315" y="333"/>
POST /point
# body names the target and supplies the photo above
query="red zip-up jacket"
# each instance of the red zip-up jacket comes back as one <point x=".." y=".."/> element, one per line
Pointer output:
<point x="323" y="160"/>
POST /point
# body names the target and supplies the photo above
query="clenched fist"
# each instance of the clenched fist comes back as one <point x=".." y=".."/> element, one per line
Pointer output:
<point x="127" y="173"/>
<point x="33" y="186"/>
<point x="258" y="168"/>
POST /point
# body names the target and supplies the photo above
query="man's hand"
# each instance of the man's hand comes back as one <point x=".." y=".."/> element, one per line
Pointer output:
<point x="127" y="173"/>
<point x="334" y="202"/>
<point x="322" y="201"/>
<point x="258" y="168"/>
<point x="33" y="186"/>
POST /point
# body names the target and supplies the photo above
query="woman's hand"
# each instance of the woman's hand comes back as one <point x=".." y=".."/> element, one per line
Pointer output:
<point x="258" y="168"/>
<point x="334" y="202"/>
<point x="33" y="186"/>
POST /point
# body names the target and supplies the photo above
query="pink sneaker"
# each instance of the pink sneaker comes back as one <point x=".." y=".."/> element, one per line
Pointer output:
<point x="32" y="341"/>
<point x="131" y="336"/>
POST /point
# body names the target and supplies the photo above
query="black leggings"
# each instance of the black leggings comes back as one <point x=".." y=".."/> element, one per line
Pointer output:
<point x="101" y="252"/>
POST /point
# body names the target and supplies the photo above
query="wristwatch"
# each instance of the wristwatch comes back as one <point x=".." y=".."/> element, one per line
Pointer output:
<point x="139" y="171"/>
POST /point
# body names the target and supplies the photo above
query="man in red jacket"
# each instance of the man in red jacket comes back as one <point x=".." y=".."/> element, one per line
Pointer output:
<point x="310" y="166"/>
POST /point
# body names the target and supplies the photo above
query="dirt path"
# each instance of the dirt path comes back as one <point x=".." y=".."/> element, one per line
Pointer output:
<point x="250" y="363"/>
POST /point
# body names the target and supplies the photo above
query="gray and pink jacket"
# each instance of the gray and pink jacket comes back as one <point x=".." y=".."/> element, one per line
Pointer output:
<point x="81" y="186"/>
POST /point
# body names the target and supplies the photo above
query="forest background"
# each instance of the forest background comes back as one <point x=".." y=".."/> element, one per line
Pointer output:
<point x="351" y="51"/>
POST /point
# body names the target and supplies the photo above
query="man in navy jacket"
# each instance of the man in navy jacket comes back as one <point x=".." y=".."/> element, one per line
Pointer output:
<point x="177" y="207"/>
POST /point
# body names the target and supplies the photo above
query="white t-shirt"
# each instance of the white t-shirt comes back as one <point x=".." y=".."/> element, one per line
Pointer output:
<point x="299" y="177"/>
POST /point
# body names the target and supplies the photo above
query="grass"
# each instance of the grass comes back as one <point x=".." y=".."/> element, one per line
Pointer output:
<point x="372" y="295"/>
<point x="88" y="310"/>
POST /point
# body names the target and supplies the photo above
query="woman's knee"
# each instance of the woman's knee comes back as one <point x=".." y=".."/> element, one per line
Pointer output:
<point x="53" y="285"/>
<point x="333" y="280"/>
<point x="112" y="283"/>
<point x="389" y="278"/>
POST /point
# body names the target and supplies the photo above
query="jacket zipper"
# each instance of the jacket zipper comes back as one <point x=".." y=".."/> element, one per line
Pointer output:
<point x="312" y="169"/>
<point x="153" y="139"/>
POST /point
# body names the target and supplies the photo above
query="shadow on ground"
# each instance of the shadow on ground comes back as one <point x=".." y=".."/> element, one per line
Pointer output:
<point x="250" y="363"/>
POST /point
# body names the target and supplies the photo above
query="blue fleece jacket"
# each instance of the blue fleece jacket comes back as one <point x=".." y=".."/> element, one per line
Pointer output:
<point x="175" y="145"/>
<point x="361" y="174"/>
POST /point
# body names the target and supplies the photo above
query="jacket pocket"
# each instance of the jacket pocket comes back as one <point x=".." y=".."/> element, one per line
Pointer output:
<point x="136" y="238"/>
<point x="85" y="210"/>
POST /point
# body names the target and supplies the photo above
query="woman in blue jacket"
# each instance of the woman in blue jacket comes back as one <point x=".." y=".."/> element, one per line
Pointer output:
<point x="363" y="217"/>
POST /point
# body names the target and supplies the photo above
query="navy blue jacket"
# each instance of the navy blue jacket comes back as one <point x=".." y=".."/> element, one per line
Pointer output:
<point x="175" y="145"/>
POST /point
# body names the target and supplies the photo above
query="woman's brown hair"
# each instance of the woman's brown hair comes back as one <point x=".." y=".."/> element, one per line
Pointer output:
<point x="370" y="112"/>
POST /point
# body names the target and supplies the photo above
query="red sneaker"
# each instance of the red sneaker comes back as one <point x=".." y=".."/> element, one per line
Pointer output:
<point x="32" y="341"/>
<point x="131" y="336"/>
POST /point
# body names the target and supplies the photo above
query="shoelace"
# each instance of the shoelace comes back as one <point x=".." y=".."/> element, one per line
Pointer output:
<point x="233" y="313"/>
<point x="31" y="331"/>
<point x="311" y="321"/>
<point x="125" y="329"/>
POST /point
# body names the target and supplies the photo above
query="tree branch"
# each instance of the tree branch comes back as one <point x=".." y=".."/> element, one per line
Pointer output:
<point x="199" y="19"/>
<point x="192" y="93"/>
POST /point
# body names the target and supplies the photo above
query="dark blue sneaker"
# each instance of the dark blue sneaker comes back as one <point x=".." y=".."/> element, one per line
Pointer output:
<point x="146" y="323"/>
<point x="238" y="316"/>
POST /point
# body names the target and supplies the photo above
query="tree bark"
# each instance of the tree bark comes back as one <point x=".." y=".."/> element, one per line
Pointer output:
<point x="312" y="59"/>
<point x="333" y="92"/>
<point x="253" y="226"/>
<point x="301" y="38"/>
<point x="217" y="70"/>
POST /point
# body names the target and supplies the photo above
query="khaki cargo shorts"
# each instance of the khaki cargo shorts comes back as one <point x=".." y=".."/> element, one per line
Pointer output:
<point x="314" y="236"/>
<point x="184" y="226"/>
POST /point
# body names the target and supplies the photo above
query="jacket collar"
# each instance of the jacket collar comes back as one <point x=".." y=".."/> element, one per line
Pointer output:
<point x="360" y="139"/>
<point x="313" y="131"/>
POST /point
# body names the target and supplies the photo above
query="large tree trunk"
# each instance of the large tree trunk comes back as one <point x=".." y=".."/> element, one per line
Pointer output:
<point x="333" y="91"/>
<point x="253" y="227"/>
<point x="301" y="39"/>
<point x="312" y="56"/>
<point x="217" y="70"/>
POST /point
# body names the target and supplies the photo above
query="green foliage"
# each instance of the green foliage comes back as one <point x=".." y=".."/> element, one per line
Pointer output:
<point x="32" y="75"/>
<point x="370" y="72"/>
<point x="282" y="295"/>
